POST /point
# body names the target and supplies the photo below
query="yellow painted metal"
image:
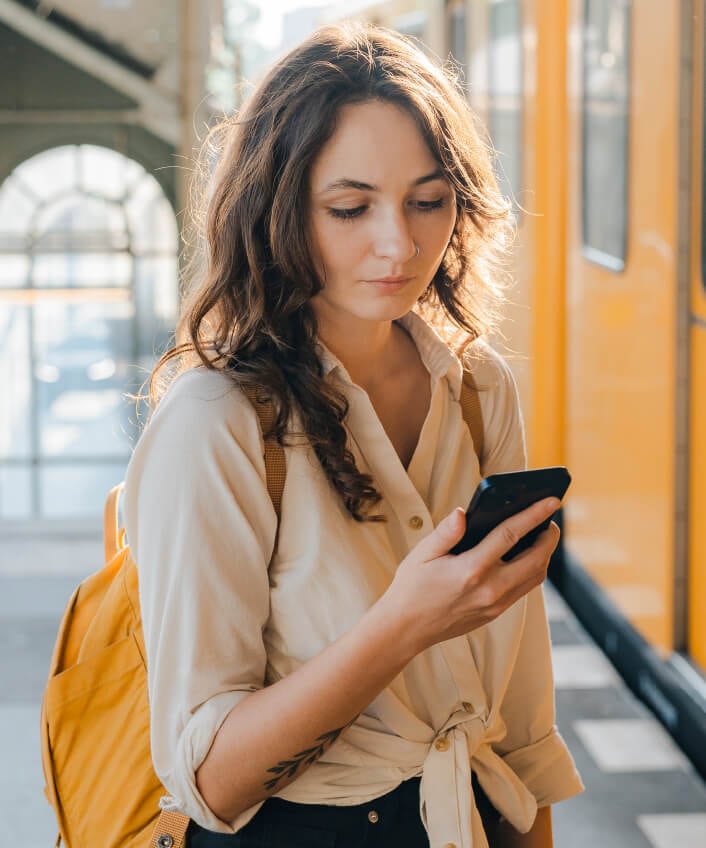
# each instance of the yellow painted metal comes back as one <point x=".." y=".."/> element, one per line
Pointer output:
<point x="696" y="578"/>
<point x="546" y="134"/>
<point x="621" y="345"/>
<point x="533" y="329"/>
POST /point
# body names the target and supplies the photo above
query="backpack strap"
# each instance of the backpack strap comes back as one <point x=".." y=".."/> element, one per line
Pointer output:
<point x="471" y="411"/>
<point x="169" y="830"/>
<point x="275" y="467"/>
<point x="112" y="534"/>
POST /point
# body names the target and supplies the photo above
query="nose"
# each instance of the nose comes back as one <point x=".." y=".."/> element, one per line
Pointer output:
<point x="393" y="238"/>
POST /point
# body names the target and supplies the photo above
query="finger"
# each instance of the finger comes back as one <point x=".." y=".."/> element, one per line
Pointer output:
<point x="528" y="570"/>
<point x="444" y="537"/>
<point x="506" y="535"/>
<point x="548" y="539"/>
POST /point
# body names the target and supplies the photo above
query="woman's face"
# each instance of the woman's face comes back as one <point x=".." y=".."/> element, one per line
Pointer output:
<point x="376" y="194"/>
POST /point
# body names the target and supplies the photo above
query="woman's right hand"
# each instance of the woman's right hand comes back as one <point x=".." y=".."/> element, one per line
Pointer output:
<point x="438" y="596"/>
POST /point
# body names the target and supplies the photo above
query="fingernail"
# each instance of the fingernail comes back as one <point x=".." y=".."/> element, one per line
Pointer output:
<point x="553" y="504"/>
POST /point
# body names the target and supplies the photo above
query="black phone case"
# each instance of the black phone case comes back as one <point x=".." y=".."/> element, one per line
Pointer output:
<point x="502" y="495"/>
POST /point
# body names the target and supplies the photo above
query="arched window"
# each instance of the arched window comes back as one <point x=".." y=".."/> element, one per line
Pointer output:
<point x="88" y="294"/>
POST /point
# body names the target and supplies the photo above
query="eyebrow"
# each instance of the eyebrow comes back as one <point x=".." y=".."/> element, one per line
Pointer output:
<point x="346" y="182"/>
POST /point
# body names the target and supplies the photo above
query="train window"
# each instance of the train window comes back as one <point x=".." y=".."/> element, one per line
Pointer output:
<point x="505" y="92"/>
<point x="605" y="131"/>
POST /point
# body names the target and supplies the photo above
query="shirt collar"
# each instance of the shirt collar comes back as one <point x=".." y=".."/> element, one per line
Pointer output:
<point x="433" y="350"/>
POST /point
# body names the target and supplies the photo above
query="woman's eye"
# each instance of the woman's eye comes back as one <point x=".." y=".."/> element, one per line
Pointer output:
<point x="429" y="205"/>
<point x="346" y="214"/>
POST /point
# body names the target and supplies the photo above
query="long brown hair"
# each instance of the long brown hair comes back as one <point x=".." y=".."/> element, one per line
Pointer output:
<point x="252" y="273"/>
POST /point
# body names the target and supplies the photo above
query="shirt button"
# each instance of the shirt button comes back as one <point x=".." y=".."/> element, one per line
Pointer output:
<point x="467" y="706"/>
<point x="373" y="817"/>
<point x="442" y="744"/>
<point x="416" y="522"/>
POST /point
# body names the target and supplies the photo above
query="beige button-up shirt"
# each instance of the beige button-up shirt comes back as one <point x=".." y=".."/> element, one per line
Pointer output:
<point x="219" y="624"/>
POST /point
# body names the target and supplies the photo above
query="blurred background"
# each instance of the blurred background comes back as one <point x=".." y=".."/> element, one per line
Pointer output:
<point x="596" y="111"/>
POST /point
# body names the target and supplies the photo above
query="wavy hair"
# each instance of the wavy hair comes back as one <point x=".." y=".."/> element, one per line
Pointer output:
<point x="252" y="272"/>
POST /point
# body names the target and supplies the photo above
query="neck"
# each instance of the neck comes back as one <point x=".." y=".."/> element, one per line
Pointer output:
<point x="363" y="347"/>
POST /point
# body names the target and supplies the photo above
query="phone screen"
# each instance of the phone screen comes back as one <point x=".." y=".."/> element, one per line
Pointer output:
<point x="501" y="495"/>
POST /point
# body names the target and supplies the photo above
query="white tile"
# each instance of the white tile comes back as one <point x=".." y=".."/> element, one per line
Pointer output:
<point x="625" y="745"/>
<point x="581" y="667"/>
<point x="676" y="830"/>
<point x="557" y="610"/>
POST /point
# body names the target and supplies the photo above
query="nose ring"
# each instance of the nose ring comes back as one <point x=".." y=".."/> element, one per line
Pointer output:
<point x="416" y="254"/>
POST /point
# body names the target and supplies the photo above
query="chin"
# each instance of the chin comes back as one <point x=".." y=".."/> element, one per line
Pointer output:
<point x="386" y="312"/>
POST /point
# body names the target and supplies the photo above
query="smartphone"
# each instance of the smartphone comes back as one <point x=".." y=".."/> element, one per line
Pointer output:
<point x="502" y="495"/>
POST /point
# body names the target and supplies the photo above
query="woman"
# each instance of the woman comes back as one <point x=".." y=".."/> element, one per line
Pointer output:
<point x="337" y="677"/>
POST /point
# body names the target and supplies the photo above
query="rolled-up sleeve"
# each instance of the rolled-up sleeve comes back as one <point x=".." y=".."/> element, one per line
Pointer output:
<point x="532" y="746"/>
<point x="201" y="527"/>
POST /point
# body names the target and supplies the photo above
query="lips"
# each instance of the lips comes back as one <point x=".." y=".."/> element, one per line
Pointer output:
<point x="385" y="287"/>
<point x="391" y="280"/>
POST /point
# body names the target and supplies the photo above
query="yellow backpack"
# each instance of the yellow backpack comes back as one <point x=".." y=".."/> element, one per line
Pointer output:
<point x="95" y="726"/>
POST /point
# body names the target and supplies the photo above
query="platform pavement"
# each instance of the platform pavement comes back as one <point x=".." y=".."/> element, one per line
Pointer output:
<point x="641" y="792"/>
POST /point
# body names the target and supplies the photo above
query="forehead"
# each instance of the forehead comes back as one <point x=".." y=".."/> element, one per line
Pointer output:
<point x="375" y="142"/>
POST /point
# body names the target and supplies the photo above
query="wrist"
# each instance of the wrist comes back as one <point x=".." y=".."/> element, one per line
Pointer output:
<point x="399" y="629"/>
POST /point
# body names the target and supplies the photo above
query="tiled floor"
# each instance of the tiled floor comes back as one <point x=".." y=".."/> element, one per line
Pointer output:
<point x="629" y="745"/>
<point x="685" y="830"/>
<point x="582" y="667"/>
<point x="641" y="792"/>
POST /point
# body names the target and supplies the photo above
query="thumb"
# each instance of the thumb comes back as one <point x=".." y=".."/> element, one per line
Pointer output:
<point x="445" y="535"/>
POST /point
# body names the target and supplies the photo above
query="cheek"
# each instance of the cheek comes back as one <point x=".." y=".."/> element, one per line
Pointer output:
<point x="323" y="241"/>
<point x="447" y="231"/>
<point x="437" y="227"/>
<point x="340" y="244"/>
<point x="443" y="233"/>
<point x="451" y="221"/>
<point x="435" y="239"/>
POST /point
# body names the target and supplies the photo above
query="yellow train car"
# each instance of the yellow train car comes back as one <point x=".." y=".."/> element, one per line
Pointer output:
<point x="596" y="110"/>
<point x="612" y="266"/>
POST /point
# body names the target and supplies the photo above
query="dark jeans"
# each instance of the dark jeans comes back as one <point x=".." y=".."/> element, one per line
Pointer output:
<point x="391" y="821"/>
<point x="387" y="822"/>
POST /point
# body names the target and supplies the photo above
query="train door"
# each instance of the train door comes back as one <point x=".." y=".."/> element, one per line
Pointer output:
<point x="622" y="295"/>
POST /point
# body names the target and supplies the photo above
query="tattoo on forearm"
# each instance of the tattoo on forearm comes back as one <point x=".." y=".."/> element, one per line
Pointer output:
<point x="288" y="768"/>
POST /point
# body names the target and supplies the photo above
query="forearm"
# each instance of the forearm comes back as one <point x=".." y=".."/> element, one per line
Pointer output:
<point x="274" y="735"/>
<point x="540" y="836"/>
